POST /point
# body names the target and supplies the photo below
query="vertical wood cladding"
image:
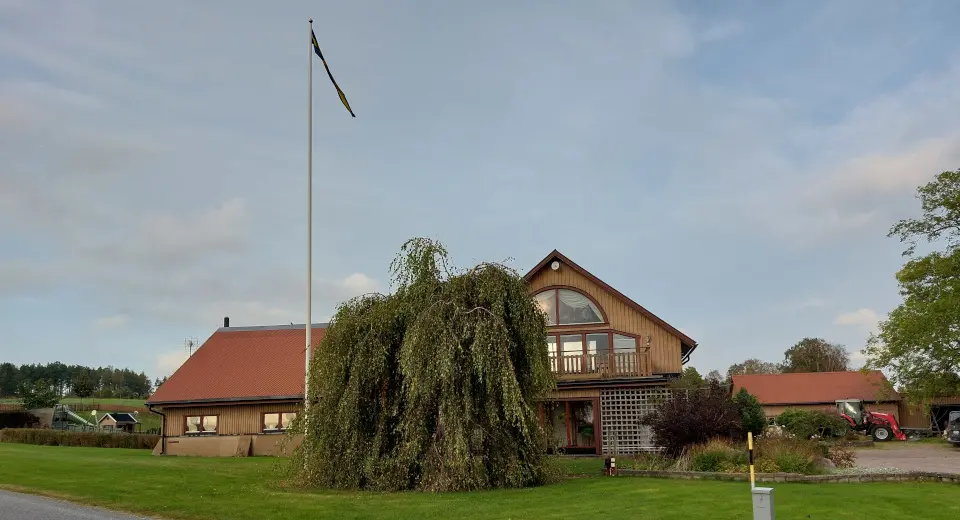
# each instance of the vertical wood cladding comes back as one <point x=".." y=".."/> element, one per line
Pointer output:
<point x="665" y="355"/>
<point x="234" y="419"/>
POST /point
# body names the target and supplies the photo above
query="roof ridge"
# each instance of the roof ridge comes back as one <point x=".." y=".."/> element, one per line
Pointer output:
<point x="293" y="326"/>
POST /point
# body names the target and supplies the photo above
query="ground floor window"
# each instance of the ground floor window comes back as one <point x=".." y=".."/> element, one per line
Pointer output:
<point x="201" y="424"/>
<point x="278" y="421"/>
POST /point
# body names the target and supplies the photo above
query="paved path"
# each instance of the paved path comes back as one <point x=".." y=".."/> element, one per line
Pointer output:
<point x="17" y="506"/>
<point x="940" y="458"/>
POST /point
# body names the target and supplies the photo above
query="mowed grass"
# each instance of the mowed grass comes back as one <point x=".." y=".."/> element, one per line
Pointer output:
<point x="248" y="488"/>
<point x="105" y="402"/>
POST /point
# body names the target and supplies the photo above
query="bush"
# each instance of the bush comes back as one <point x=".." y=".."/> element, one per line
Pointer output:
<point x="751" y="412"/>
<point x="650" y="462"/>
<point x="694" y="417"/>
<point x="18" y="419"/>
<point x="787" y="454"/>
<point x="718" y="456"/>
<point x="807" y="424"/>
<point x="842" y="455"/>
<point x="47" y="437"/>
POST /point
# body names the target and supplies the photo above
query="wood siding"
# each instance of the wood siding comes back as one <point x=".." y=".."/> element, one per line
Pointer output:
<point x="571" y="393"/>
<point x="665" y="355"/>
<point x="235" y="419"/>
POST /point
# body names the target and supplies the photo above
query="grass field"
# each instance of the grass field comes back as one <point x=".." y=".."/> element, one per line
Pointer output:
<point x="248" y="488"/>
<point x="88" y="400"/>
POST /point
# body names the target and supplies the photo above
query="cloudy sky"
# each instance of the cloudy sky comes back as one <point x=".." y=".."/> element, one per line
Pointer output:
<point x="734" y="169"/>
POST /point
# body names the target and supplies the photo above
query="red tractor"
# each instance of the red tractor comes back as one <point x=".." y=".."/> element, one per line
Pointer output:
<point x="880" y="426"/>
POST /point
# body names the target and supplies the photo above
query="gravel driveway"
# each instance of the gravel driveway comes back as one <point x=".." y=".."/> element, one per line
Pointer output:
<point x="911" y="456"/>
<point x="17" y="506"/>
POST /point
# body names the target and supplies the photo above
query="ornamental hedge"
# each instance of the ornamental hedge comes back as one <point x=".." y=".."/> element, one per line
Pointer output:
<point x="47" y="437"/>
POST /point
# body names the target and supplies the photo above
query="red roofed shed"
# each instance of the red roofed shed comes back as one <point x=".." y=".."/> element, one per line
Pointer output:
<point x="819" y="390"/>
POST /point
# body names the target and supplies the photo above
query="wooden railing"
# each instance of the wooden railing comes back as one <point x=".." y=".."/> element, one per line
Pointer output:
<point x="617" y="364"/>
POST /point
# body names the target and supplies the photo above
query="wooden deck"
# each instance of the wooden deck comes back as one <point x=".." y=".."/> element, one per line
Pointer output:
<point x="600" y="366"/>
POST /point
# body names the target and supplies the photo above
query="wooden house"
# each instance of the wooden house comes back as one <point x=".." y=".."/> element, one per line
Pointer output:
<point x="612" y="358"/>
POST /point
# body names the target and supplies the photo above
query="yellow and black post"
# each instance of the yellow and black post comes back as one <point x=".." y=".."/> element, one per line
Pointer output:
<point x="762" y="497"/>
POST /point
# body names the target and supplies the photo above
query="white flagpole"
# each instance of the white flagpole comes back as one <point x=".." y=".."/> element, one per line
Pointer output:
<point x="309" y="327"/>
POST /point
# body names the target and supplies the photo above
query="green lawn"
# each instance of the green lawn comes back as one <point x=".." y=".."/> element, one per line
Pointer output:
<point x="106" y="402"/>
<point x="247" y="488"/>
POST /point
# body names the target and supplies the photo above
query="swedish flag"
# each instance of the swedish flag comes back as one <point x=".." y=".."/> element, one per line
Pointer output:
<point x="343" y="98"/>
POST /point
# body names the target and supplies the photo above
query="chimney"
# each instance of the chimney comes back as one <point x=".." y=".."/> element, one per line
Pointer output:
<point x="226" y="321"/>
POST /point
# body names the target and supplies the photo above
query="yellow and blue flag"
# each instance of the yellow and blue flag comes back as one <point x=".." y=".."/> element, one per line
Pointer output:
<point x="343" y="98"/>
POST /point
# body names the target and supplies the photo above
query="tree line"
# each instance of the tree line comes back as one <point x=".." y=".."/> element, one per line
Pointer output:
<point x="917" y="344"/>
<point x="61" y="380"/>
<point x="807" y="355"/>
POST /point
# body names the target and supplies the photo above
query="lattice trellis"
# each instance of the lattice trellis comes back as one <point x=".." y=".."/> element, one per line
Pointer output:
<point x="620" y="413"/>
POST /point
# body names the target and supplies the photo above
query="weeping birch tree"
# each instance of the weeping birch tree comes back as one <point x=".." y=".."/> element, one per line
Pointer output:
<point x="432" y="387"/>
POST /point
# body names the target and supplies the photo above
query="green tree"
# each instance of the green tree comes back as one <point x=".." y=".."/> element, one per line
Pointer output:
<point x="715" y="376"/>
<point x="689" y="379"/>
<point x="82" y="387"/>
<point x="816" y="355"/>
<point x="918" y="344"/>
<point x="753" y="366"/>
<point x="40" y="394"/>
<point x="751" y="412"/>
<point x="433" y="387"/>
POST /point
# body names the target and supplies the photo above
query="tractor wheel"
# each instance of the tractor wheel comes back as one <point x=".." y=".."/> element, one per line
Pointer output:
<point x="882" y="434"/>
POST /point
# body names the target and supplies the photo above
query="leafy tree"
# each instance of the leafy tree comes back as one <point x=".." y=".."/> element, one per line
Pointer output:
<point x="82" y="387"/>
<point x="9" y="379"/>
<point x="751" y="412"/>
<point x="694" y="417"/>
<point x="715" y="375"/>
<point x="39" y="395"/>
<point x="816" y="355"/>
<point x="433" y="387"/>
<point x="919" y="342"/>
<point x="689" y="378"/>
<point x="753" y="366"/>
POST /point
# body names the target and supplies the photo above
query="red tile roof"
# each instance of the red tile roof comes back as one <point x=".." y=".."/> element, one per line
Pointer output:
<point x="816" y="387"/>
<point x="242" y="364"/>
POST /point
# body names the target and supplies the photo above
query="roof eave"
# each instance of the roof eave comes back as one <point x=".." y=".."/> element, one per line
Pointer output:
<point x="228" y="400"/>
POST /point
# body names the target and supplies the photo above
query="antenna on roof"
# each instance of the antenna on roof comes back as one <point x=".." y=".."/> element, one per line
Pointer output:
<point x="190" y="345"/>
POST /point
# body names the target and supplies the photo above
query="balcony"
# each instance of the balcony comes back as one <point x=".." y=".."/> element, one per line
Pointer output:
<point x="600" y="366"/>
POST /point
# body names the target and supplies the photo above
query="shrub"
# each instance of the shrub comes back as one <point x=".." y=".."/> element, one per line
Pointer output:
<point x="47" y="437"/>
<point x="694" y="417"/>
<point x="842" y="455"/>
<point x="718" y="455"/>
<point x="788" y="454"/>
<point x="807" y="424"/>
<point x="751" y="412"/>
<point x="650" y="462"/>
<point x="18" y="419"/>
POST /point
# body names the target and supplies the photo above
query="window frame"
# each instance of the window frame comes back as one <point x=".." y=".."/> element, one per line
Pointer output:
<point x="556" y="306"/>
<point x="200" y="431"/>
<point x="281" y="428"/>
<point x="610" y="333"/>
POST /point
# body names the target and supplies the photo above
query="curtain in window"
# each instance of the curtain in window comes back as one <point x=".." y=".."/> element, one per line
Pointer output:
<point x="581" y="309"/>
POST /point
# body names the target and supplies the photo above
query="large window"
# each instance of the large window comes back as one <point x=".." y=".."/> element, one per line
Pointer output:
<point x="201" y="424"/>
<point x="278" y="422"/>
<point x="568" y="307"/>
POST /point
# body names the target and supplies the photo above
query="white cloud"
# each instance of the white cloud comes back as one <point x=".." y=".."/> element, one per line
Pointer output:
<point x="358" y="283"/>
<point x="858" y="318"/>
<point x="110" y="322"/>
<point x="168" y="362"/>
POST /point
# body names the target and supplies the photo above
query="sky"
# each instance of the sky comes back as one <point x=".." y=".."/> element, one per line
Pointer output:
<point x="734" y="167"/>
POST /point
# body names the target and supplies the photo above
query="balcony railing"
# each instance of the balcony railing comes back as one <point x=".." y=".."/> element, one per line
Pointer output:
<point x="600" y="366"/>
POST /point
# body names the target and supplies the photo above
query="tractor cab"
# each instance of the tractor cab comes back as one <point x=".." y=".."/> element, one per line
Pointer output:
<point x="852" y="410"/>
